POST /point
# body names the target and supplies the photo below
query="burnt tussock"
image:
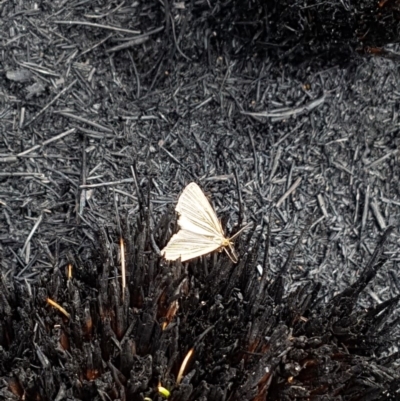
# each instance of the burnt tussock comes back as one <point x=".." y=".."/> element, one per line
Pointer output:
<point x="251" y="340"/>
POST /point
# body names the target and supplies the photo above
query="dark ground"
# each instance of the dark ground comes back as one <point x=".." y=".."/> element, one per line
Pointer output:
<point x="279" y="93"/>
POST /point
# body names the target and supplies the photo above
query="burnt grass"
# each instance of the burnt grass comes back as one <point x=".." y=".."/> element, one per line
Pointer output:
<point x="286" y="113"/>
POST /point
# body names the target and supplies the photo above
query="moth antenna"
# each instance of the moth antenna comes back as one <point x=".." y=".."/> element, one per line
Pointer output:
<point x="239" y="232"/>
<point x="239" y="193"/>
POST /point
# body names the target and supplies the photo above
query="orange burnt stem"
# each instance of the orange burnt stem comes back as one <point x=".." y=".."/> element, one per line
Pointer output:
<point x="69" y="273"/>
<point x="92" y="374"/>
<point x="184" y="365"/>
<point x="172" y="310"/>
<point x="15" y="387"/>
<point x="64" y="340"/>
<point x="59" y="307"/>
<point x="262" y="387"/>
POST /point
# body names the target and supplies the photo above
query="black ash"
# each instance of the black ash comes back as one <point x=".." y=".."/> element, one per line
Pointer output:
<point x="248" y="338"/>
<point x="90" y="87"/>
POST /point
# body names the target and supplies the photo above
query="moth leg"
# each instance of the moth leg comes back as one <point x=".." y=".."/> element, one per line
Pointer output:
<point x="230" y="251"/>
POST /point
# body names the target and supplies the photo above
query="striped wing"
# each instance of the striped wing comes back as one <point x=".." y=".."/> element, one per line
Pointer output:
<point x="196" y="214"/>
<point x="189" y="245"/>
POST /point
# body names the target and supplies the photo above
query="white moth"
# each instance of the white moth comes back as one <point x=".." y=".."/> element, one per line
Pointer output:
<point x="200" y="230"/>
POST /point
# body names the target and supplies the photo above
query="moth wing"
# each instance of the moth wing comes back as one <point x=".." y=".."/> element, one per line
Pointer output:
<point x="188" y="245"/>
<point x="196" y="213"/>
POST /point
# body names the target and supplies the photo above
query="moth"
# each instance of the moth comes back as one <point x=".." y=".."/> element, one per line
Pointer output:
<point x="200" y="230"/>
